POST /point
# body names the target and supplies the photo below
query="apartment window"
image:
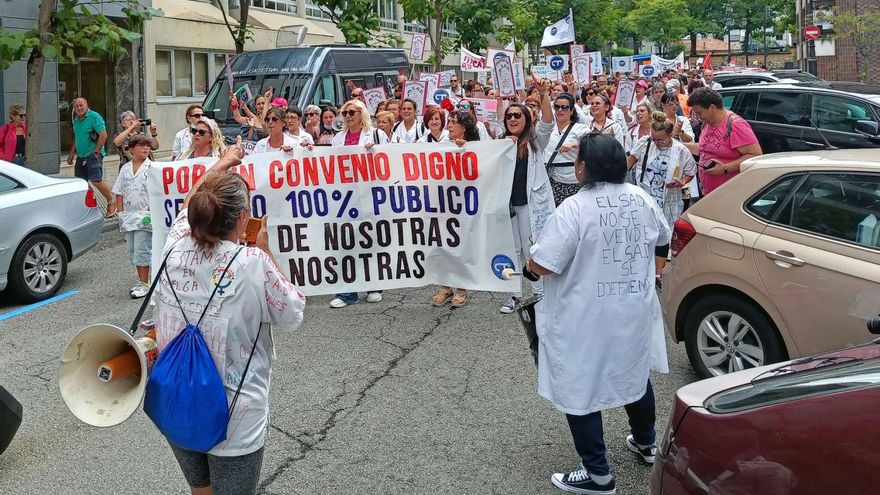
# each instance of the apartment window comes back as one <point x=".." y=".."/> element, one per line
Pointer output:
<point x="416" y="27"/>
<point x="387" y="10"/>
<point x="449" y="29"/>
<point x="314" y="10"/>
<point x="279" y="5"/>
<point x="186" y="73"/>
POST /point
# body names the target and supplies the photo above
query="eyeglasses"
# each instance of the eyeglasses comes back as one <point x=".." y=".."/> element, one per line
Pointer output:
<point x="561" y="107"/>
<point x="200" y="132"/>
<point x="349" y="113"/>
<point x="197" y="115"/>
<point x="513" y="115"/>
<point x="463" y="106"/>
<point x="591" y="93"/>
<point x="311" y="114"/>
<point x="453" y="80"/>
<point x="272" y="119"/>
<point x="22" y="115"/>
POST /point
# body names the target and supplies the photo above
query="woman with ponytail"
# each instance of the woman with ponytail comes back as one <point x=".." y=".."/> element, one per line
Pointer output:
<point x="251" y="294"/>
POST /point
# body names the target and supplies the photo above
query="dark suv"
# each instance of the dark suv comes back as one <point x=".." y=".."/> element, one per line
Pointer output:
<point x="805" y="117"/>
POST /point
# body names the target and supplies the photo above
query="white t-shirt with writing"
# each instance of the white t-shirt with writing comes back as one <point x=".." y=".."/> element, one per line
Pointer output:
<point x="263" y="145"/>
<point x="253" y="294"/>
<point x="132" y="186"/>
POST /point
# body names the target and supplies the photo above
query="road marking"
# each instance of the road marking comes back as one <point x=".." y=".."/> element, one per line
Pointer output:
<point x="25" y="309"/>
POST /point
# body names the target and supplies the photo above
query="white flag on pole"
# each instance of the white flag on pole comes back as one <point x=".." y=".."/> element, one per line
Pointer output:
<point x="511" y="47"/>
<point x="621" y="64"/>
<point x="560" y="32"/>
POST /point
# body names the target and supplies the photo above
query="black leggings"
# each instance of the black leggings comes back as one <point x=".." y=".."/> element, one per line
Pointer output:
<point x="236" y="475"/>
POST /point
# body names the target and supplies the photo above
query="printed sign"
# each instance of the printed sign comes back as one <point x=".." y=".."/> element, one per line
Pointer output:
<point x="344" y="219"/>
<point x="471" y="62"/>
<point x="582" y="69"/>
<point x="648" y="70"/>
<point x="504" y="78"/>
<point x="597" y="68"/>
<point x="446" y="78"/>
<point x="621" y="64"/>
<point x="626" y="91"/>
<point x="519" y="76"/>
<point x="544" y="72"/>
<point x="433" y="81"/>
<point x="440" y="95"/>
<point x="486" y="109"/>
<point x="558" y="62"/>
<point x="575" y="50"/>
<point x="417" y="49"/>
<point x="416" y="91"/>
<point x="491" y="53"/>
<point x="373" y="97"/>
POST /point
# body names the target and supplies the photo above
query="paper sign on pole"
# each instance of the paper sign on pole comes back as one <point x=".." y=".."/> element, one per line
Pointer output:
<point x="626" y="91"/>
<point x="519" y="76"/>
<point x="373" y="97"/>
<point x="229" y="74"/>
<point x="597" y="68"/>
<point x="446" y="78"/>
<point x="417" y="49"/>
<point x="574" y="50"/>
<point x="416" y="91"/>
<point x="483" y="77"/>
<point x="432" y="79"/>
<point x="558" y="63"/>
<point x="582" y="69"/>
<point x="621" y="64"/>
<point x="664" y="64"/>
<point x="504" y="78"/>
<point x="491" y="53"/>
<point x="544" y="72"/>
<point x="335" y="224"/>
<point x="471" y="62"/>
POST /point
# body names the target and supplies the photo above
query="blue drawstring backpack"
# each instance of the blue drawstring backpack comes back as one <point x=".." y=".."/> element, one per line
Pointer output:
<point x="185" y="396"/>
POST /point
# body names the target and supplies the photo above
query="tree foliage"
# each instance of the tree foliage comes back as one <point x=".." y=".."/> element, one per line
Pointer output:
<point x="862" y="29"/>
<point x="241" y="32"/>
<point x="662" y="21"/>
<point x="357" y="19"/>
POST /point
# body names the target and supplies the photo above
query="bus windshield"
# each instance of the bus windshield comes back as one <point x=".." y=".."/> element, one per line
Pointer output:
<point x="287" y="86"/>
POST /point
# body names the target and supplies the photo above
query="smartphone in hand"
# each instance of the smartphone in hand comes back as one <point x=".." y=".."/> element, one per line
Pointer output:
<point x="708" y="165"/>
<point x="252" y="229"/>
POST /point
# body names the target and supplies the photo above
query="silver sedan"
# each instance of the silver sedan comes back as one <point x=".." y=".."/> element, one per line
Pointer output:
<point x="45" y="222"/>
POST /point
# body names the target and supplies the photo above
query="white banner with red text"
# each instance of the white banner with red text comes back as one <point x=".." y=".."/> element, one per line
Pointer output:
<point x="347" y="219"/>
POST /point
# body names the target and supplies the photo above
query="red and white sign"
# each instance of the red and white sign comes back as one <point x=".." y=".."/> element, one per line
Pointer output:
<point x="812" y="32"/>
<point x="471" y="62"/>
<point x="417" y="49"/>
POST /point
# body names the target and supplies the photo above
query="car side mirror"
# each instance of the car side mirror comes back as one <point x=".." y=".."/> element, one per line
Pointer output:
<point x="867" y="127"/>
<point x="874" y="325"/>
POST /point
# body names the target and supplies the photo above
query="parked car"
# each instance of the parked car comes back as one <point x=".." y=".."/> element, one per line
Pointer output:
<point x="305" y="75"/>
<point x="729" y="79"/>
<point x="781" y="261"/>
<point x="807" y="117"/>
<point x="45" y="222"/>
<point x="803" y="427"/>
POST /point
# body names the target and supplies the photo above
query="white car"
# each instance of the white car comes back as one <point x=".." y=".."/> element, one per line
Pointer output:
<point x="45" y="222"/>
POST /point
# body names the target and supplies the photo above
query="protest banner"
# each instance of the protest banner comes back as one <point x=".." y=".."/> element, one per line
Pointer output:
<point x="345" y="219"/>
<point x="582" y="69"/>
<point x="416" y="91"/>
<point x="664" y="64"/>
<point x="433" y="81"/>
<point x="446" y="78"/>
<point x="471" y="62"/>
<point x="596" y="59"/>
<point x="228" y="69"/>
<point x="417" y="48"/>
<point x="504" y="77"/>
<point x="544" y="72"/>
<point x="519" y="76"/>
<point x="621" y="64"/>
<point x="626" y="91"/>
<point x="373" y="97"/>
<point x="486" y="109"/>
<point x="491" y="53"/>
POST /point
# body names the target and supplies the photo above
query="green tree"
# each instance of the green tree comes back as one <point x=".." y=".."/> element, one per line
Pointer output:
<point x="597" y="23"/>
<point x="527" y="20"/>
<point x="241" y="32"/>
<point x="862" y="29"/>
<point x="66" y="28"/>
<point x="357" y="19"/>
<point x="661" y="21"/>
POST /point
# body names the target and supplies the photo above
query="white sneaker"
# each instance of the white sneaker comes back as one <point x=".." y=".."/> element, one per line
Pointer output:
<point x="509" y="306"/>
<point x="338" y="303"/>
<point x="140" y="290"/>
<point x="374" y="297"/>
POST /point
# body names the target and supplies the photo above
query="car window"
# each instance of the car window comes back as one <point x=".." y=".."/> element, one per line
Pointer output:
<point x="8" y="184"/>
<point x="326" y="91"/>
<point x="727" y="101"/>
<point x="766" y="203"/>
<point x="834" y="113"/>
<point x="781" y="108"/>
<point x="842" y="206"/>
<point x="747" y="105"/>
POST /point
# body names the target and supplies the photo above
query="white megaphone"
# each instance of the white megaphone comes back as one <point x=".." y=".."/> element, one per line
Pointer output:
<point x="103" y="374"/>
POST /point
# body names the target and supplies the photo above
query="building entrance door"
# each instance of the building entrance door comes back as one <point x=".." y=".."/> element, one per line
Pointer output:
<point x="89" y="78"/>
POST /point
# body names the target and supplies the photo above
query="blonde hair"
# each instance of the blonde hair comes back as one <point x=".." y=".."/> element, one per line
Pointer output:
<point x="385" y="114"/>
<point x="366" y="123"/>
<point x="660" y="123"/>
<point x="217" y="145"/>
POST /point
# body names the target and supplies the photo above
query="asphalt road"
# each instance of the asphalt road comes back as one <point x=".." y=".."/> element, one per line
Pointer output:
<point x="387" y="398"/>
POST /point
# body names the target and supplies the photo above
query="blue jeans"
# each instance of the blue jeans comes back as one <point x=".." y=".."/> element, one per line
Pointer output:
<point x="589" y="439"/>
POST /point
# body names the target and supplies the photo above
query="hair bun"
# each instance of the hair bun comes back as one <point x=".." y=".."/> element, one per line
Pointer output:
<point x="658" y="116"/>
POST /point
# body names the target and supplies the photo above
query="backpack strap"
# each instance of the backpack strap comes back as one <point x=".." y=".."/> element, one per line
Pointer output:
<point x="140" y="313"/>
<point x="729" y="128"/>
<point x="645" y="161"/>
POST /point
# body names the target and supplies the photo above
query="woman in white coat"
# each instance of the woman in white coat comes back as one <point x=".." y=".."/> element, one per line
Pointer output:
<point x="599" y="324"/>
<point x="531" y="199"/>
<point x="357" y="130"/>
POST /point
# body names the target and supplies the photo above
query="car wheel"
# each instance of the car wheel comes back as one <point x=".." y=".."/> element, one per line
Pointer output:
<point x="725" y="333"/>
<point x="38" y="268"/>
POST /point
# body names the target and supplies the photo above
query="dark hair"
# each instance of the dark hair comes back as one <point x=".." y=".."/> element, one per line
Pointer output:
<point x="522" y="143"/>
<point x="668" y="98"/>
<point x="280" y="114"/>
<point x="138" y="140"/>
<point x="430" y="112"/>
<point x="466" y="120"/>
<point x="694" y="84"/>
<point x="604" y="159"/>
<point x="566" y="96"/>
<point x="189" y="110"/>
<point x="411" y="102"/>
<point x="296" y="110"/>
<point x="214" y="208"/>
<point x="705" y="97"/>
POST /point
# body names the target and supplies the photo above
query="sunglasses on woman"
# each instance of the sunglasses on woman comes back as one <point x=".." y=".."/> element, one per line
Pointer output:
<point x="200" y="132"/>
<point x="463" y="106"/>
<point x="349" y="113"/>
<point x="272" y="119"/>
<point x="513" y="115"/>
<point x="311" y="114"/>
<point x="591" y="93"/>
<point x="561" y="107"/>
<point x="197" y="115"/>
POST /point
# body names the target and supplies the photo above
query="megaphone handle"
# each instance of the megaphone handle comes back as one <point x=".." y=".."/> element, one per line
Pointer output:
<point x="140" y="313"/>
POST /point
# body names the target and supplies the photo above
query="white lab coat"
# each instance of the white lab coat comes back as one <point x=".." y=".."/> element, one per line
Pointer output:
<point x="538" y="189"/>
<point x="600" y="324"/>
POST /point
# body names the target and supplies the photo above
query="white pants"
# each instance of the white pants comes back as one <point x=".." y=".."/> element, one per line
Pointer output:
<point x="522" y="241"/>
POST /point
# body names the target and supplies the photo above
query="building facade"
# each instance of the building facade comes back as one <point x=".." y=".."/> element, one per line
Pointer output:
<point x="829" y="58"/>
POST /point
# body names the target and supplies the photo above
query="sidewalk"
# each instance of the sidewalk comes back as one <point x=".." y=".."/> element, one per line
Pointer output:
<point x="111" y="171"/>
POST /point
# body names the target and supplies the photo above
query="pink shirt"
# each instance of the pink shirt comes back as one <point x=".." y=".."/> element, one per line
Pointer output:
<point x="713" y="145"/>
<point x="352" y="138"/>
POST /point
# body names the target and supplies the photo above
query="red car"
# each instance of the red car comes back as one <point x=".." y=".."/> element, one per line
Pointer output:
<point x="808" y="426"/>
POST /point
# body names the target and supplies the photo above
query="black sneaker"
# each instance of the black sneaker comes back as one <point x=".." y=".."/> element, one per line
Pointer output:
<point x="579" y="481"/>
<point x="646" y="453"/>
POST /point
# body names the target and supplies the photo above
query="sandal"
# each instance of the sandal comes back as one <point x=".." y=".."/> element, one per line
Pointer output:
<point x="443" y="296"/>
<point x="460" y="298"/>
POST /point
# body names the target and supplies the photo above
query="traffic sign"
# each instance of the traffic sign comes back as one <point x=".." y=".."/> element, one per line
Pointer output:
<point x="812" y="32"/>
